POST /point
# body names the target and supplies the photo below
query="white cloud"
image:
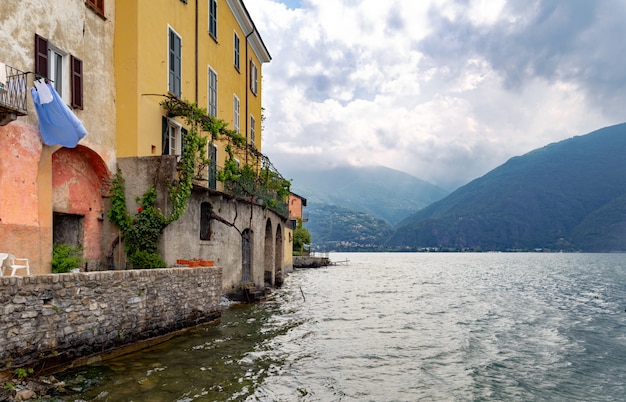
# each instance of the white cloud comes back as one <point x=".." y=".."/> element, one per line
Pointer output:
<point x="445" y="90"/>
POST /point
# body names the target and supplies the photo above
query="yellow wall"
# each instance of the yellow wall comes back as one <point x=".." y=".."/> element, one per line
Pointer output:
<point x="141" y="62"/>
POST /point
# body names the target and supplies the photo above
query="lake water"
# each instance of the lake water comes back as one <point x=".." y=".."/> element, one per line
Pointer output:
<point x="399" y="327"/>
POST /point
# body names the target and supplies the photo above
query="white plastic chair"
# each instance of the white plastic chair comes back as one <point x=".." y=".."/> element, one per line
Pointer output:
<point x="18" y="263"/>
<point x="3" y="257"/>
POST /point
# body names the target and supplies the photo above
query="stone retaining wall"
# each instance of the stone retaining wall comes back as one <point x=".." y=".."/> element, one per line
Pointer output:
<point x="306" y="261"/>
<point x="52" y="320"/>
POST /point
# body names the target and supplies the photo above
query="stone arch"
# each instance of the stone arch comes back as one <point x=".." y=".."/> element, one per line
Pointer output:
<point x="268" y="254"/>
<point x="79" y="178"/>
<point x="278" y="256"/>
<point x="247" y="247"/>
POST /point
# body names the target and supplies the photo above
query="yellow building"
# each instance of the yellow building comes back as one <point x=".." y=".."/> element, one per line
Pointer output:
<point x="206" y="52"/>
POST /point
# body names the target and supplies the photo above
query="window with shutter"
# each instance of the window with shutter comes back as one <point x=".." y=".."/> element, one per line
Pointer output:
<point x="236" y="50"/>
<point x="77" y="82"/>
<point x="172" y="137"/>
<point x="96" y="5"/>
<point x="175" y="64"/>
<point x="41" y="56"/>
<point x="236" y="113"/>
<point x="205" y="221"/>
<point x="212" y="92"/>
<point x="254" y="78"/>
<point x="213" y="18"/>
<point x="252" y="130"/>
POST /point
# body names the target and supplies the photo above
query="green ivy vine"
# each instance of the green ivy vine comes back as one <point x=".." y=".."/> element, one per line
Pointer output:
<point x="141" y="231"/>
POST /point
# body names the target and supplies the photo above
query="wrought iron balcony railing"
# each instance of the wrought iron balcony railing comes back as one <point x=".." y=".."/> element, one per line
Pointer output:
<point x="12" y="95"/>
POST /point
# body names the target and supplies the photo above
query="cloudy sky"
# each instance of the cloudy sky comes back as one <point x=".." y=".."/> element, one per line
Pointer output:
<point x="445" y="90"/>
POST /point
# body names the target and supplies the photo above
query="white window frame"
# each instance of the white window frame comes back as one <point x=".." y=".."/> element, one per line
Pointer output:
<point x="212" y="92"/>
<point x="169" y="66"/>
<point x="58" y="71"/>
<point x="252" y="130"/>
<point x="175" y="143"/>
<point x="236" y="106"/>
<point x="254" y="78"/>
<point x="237" y="51"/>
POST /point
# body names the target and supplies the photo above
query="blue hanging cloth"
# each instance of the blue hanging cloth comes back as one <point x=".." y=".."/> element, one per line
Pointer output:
<point x="57" y="123"/>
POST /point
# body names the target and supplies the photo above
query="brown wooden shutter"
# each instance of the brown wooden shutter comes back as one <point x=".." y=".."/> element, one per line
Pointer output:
<point x="77" y="82"/>
<point x="41" y="56"/>
<point x="97" y="5"/>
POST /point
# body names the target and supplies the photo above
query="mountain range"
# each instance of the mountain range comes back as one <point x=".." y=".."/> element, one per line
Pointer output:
<point x="566" y="196"/>
<point x="351" y="208"/>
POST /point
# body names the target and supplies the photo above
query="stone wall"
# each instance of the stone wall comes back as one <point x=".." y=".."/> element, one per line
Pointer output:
<point x="181" y="239"/>
<point x="306" y="261"/>
<point x="51" y="320"/>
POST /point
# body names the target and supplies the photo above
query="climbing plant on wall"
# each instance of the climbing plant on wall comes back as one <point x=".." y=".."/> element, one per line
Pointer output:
<point x="257" y="179"/>
<point x="141" y="232"/>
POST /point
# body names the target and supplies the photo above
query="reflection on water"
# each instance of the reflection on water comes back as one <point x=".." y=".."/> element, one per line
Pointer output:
<point x="399" y="327"/>
<point x="211" y="362"/>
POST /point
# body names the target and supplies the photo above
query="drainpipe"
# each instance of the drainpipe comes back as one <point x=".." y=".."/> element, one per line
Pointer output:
<point x="196" y="82"/>
<point x="247" y="90"/>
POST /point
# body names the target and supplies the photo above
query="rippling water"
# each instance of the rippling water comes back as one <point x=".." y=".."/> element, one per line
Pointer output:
<point x="399" y="327"/>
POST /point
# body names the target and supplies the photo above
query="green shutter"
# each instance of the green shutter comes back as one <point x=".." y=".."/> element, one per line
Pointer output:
<point x="164" y="136"/>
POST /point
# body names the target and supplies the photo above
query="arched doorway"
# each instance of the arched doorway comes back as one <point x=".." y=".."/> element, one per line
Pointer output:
<point x="278" y="257"/>
<point x="268" y="254"/>
<point x="246" y="256"/>
<point x="78" y="177"/>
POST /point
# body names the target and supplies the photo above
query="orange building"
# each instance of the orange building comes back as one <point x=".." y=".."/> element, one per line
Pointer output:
<point x="49" y="193"/>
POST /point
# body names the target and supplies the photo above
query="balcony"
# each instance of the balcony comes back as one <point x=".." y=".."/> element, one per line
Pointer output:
<point x="12" y="96"/>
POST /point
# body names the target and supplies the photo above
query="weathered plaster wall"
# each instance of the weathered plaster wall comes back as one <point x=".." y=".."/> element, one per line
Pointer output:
<point x="52" y="319"/>
<point x="26" y="169"/>
<point x="74" y="28"/>
<point x="181" y="239"/>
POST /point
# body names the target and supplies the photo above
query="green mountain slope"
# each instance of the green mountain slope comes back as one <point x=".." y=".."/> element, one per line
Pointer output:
<point x="335" y="228"/>
<point x="382" y="192"/>
<point x="565" y="196"/>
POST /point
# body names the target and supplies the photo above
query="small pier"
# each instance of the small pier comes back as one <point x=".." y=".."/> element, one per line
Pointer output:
<point x="316" y="260"/>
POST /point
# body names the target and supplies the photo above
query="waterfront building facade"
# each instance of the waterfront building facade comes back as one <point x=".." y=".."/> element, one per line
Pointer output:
<point x="208" y="53"/>
<point x="51" y="193"/>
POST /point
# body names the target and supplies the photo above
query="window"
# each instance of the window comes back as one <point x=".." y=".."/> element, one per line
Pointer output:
<point x="172" y="137"/>
<point x="236" y="113"/>
<point x="175" y="64"/>
<point x="252" y="129"/>
<point x="212" y="92"/>
<point x="236" y="46"/>
<point x="97" y="5"/>
<point x="205" y="221"/>
<point x="254" y="78"/>
<point x="55" y="68"/>
<point x="213" y="18"/>
<point x="65" y="72"/>
<point x="77" y="82"/>
<point x="212" y="172"/>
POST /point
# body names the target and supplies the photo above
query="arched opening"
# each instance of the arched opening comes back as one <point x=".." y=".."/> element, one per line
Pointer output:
<point x="205" y="221"/>
<point x="78" y="177"/>
<point x="278" y="257"/>
<point x="268" y="254"/>
<point x="246" y="256"/>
